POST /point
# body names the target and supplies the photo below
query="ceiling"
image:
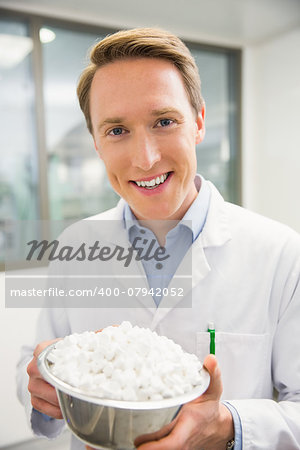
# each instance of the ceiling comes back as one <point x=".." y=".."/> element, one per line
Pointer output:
<point x="224" y="22"/>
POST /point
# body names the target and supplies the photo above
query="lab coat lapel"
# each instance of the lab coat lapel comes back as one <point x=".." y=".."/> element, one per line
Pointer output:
<point x="199" y="268"/>
<point x="215" y="233"/>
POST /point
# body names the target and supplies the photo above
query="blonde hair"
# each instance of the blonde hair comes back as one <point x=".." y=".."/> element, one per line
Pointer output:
<point x="141" y="43"/>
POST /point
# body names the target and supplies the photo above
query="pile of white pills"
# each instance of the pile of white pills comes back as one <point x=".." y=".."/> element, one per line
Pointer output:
<point x="125" y="363"/>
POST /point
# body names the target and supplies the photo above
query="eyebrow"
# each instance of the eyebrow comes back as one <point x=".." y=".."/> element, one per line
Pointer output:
<point x="167" y="110"/>
<point x="110" y="121"/>
<point x="154" y="112"/>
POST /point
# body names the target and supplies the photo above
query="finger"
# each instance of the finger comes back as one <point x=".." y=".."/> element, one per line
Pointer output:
<point x="32" y="369"/>
<point x="215" y="387"/>
<point x="40" y="347"/>
<point x="176" y="439"/>
<point x="41" y="389"/>
<point x="155" y="436"/>
<point x="210" y="363"/>
<point x="46" y="408"/>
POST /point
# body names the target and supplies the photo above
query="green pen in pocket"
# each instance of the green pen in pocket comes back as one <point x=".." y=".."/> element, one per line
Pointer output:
<point x="212" y="333"/>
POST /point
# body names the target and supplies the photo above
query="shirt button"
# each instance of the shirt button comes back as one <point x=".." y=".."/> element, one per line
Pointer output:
<point x="159" y="266"/>
<point x="142" y="231"/>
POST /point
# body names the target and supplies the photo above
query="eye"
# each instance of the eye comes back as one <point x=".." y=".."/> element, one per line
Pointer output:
<point x="116" y="131"/>
<point x="164" y="122"/>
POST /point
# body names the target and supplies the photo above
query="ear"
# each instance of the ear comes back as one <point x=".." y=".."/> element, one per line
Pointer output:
<point x="200" y="126"/>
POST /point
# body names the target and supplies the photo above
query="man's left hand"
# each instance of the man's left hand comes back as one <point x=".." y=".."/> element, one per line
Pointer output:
<point x="204" y="423"/>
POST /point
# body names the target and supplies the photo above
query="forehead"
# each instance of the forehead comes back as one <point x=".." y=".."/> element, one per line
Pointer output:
<point x="133" y="83"/>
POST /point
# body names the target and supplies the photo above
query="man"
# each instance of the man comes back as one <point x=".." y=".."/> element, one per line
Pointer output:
<point x="143" y="106"/>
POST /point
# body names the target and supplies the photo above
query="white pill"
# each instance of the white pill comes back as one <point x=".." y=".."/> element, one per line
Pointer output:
<point x="108" y="369"/>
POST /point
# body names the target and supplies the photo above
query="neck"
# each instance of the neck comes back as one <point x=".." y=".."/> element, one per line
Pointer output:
<point x="160" y="228"/>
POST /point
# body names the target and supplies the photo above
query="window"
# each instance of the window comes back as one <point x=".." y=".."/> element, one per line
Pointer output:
<point x="49" y="168"/>
<point x="218" y="154"/>
<point x="77" y="183"/>
<point x="18" y="168"/>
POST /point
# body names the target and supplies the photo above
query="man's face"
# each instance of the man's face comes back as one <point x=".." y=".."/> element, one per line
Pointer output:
<point x="145" y="131"/>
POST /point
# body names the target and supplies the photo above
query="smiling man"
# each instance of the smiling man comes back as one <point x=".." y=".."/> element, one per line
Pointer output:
<point x="142" y="102"/>
<point x="145" y="130"/>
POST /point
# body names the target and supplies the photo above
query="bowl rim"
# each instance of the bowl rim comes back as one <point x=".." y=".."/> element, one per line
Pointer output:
<point x="43" y="366"/>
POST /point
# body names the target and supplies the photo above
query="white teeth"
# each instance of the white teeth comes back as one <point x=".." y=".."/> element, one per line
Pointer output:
<point x="154" y="182"/>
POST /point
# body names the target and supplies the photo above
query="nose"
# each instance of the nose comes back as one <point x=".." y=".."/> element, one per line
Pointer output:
<point x="144" y="151"/>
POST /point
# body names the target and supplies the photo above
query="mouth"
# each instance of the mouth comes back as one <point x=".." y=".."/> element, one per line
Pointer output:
<point x="153" y="183"/>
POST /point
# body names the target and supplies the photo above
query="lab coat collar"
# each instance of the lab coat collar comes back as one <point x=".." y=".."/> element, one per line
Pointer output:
<point x="114" y="231"/>
<point x="216" y="231"/>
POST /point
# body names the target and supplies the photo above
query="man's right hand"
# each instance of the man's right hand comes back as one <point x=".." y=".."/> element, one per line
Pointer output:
<point x="43" y="395"/>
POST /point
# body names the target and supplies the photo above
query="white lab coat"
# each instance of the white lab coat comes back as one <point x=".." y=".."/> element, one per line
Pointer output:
<point x="246" y="271"/>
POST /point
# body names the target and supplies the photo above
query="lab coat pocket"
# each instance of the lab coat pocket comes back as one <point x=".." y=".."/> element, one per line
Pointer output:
<point x="244" y="362"/>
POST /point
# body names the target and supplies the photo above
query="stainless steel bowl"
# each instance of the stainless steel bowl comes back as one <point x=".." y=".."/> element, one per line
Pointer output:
<point x="112" y="424"/>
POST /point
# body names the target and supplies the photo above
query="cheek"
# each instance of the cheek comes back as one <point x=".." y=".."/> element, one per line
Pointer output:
<point x="107" y="156"/>
<point x="114" y="179"/>
<point x="184" y="150"/>
<point x="114" y="166"/>
<point x="99" y="154"/>
<point x="98" y="148"/>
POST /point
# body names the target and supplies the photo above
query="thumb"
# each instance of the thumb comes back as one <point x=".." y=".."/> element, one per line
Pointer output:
<point x="215" y="387"/>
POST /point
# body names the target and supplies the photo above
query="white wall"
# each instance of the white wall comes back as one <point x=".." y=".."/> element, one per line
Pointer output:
<point x="16" y="328"/>
<point x="271" y="131"/>
<point x="271" y="186"/>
